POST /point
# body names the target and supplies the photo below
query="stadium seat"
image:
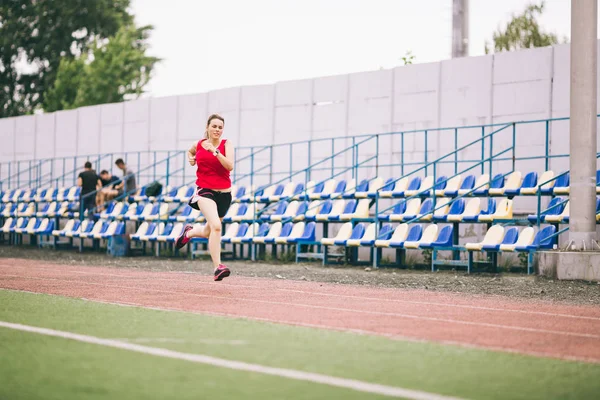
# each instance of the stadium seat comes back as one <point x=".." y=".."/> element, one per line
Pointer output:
<point x="466" y="187"/>
<point x="444" y="239"/>
<point x="343" y="234"/>
<point x="19" y="225"/>
<point x="440" y="185"/>
<point x="482" y="185"/>
<point x="414" y="233"/>
<point x="114" y="228"/>
<point x="357" y="233"/>
<point x="525" y="239"/>
<point x="561" y="186"/>
<point x="132" y="209"/>
<point x="84" y="229"/>
<point x="424" y="186"/>
<point x="160" y="211"/>
<point x="429" y="235"/>
<point x="26" y="210"/>
<point x="540" y="241"/>
<point x="28" y="195"/>
<point x="528" y="184"/>
<point x="504" y="211"/>
<point x="31" y="222"/>
<point x="362" y="187"/>
<point x="374" y="186"/>
<point x="114" y="210"/>
<point x="290" y="212"/>
<point x="247" y="216"/>
<point x="309" y="234"/>
<point x="247" y="236"/>
<point x="555" y="207"/>
<point x="338" y="191"/>
<point x="9" y="225"/>
<point x="71" y="226"/>
<point x="309" y="188"/>
<point x="172" y="236"/>
<point x="289" y="191"/>
<point x="510" y="238"/>
<point x="253" y="232"/>
<point x="40" y="223"/>
<point x="457" y="210"/>
<point x="276" y="215"/>
<point x="99" y="227"/>
<point x="361" y="211"/>
<point x="321" y="189"/>
<point x="473" y="209"/>
<point x="563" y="217"/>
<point x="272" y="192"/>
<point x="451" y="188"/>
<point x="399" y="235"/>
<point x="512" y="184"/>
<point x="368" y="235"/>
<point x="330" y="208"/>
<point x="286" y="229"/>
<point x="296" y="231"/>
<point x="440" y="210"/>
<point x="411" y="209"/>
<point x="493" y="236"/>
<point x="542" y="184"/>
<point x="385" y="233"/>
<point x="424" y="211"/>
<point x="398" y="210"/>
<point x="234" y="212"/>
<point x="274" y="232"/>
<point x="394" y="190"/>
<point x="232" y="231"/>
<point x="387" y="188"/>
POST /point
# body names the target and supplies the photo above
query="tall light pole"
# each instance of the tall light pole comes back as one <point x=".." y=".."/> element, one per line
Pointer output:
<point x="460" y="28"/>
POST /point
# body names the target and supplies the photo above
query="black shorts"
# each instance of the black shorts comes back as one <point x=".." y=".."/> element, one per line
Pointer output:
<point x="222" y="199"/>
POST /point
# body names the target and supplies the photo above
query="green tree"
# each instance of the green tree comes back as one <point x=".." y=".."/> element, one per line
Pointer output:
<point x="408" y="58"/>
<point x="117" y="68"/>
<point x="37" y="35"/>
<point x="522" y="32"/>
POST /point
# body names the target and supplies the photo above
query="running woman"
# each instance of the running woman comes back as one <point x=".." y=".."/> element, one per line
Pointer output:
<point x="213" y="158"/>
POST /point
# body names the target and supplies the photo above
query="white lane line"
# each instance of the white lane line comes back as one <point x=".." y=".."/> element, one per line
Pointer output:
<point x="377" y="299"/>
<point x="350" y="310"/>
<point x="233" y="342"/>
<point x="352" y="384"/>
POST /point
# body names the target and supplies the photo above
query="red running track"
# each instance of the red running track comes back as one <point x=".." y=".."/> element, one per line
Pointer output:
<point x="537" y="328"/>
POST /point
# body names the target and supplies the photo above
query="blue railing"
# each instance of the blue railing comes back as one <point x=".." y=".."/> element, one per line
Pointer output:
<point x="269" y="163"/>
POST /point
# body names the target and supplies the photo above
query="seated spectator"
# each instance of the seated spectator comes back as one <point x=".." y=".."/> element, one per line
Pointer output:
<point x="109" y="189"/>
<point x="128" y="185"/>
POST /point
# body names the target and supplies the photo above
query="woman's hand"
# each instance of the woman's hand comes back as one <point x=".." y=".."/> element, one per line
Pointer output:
<point x="192" y="160"/>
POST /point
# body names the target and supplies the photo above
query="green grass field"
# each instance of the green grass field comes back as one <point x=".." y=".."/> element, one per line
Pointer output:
<point x="38" y="366"/>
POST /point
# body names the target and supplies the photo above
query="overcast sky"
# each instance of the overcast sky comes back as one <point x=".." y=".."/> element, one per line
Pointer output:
<point x="213" y="44"/>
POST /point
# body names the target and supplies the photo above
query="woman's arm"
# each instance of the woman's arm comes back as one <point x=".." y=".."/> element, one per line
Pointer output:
<point x="192" y="154"/>
<point x="227" y="161"/>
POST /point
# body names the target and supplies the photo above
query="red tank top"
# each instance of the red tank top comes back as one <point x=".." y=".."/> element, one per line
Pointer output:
<point x="210" y="173"/>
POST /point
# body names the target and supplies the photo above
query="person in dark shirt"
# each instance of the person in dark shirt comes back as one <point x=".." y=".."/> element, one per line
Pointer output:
<point x="107" y="178"/>
<point x="89" y="181"/>
<point x="109" y="189"/>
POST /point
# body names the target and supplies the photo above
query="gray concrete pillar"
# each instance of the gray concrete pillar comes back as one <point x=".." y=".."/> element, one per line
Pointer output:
<point x="583" y="140"/>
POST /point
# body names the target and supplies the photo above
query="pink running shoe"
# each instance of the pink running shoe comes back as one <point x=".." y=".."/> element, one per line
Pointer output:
<point x="182" y="240"/>
<point x="221" y="272"/>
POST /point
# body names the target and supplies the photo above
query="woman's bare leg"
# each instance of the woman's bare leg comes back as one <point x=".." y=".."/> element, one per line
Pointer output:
<point x="212" y="228"/>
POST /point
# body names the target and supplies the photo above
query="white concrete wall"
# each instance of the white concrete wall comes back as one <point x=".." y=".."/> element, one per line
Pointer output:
<point x="500" y="88"/>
